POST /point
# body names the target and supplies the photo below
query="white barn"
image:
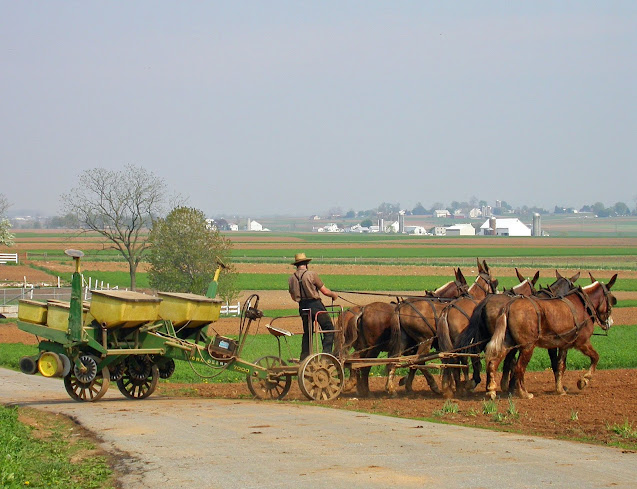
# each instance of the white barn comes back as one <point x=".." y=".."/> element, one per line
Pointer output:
<point x="460" y="230"/>
<point x="506" y="227"/>
<point x="417" y="230"/>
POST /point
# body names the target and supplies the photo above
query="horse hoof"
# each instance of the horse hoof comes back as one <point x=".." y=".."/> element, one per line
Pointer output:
<point x="402" y="381"/>
<point x="562" y="392"/>
<point x="581" y="383"/>
<point x="490" y="395"/>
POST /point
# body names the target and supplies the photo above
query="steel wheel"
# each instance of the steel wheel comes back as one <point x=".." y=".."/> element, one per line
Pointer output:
<point x="135" y="387"/>
<point x="87" y="385"/>
<point x="272" y="387"/>
<point x="166" y="368"/>
<point x="321" y="377"/>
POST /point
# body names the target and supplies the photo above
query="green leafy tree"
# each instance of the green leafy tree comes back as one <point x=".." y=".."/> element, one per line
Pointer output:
<point x="366" y="223"/>
<point x="184" y="254"/>
<point x="119" y="205"/>
<point x="6" y="238"/>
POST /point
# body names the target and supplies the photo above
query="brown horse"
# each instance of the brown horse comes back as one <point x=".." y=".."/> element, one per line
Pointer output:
<point x="455" y="319"/>
<point x="419" y="322"/>
<point x="374" y="328"/>
<point x="479" y="330"/>
<point x="564" y="323"/>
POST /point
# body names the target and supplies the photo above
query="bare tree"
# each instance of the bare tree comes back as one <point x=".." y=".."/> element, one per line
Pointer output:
<point x="121" y="206"/>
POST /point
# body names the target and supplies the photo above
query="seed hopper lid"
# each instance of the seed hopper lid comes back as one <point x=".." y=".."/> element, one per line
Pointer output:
<point x="188" y="297"/>
<point x="126" y="295"/>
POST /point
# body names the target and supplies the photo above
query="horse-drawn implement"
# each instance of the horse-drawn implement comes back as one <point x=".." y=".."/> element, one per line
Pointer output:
<point x="133" y="339"/>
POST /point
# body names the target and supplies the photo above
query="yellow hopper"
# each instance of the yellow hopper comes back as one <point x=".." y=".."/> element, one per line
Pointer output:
<point x="32" y="311"/>
<point x="115" y="308"/>
<point x="189" y="310"/>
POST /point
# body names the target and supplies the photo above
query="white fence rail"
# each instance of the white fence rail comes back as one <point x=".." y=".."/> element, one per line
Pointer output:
<point x="231" y="310"/>
<point x="8" y="257"/>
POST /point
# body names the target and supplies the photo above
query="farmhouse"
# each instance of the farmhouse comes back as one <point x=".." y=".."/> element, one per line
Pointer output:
<point x="460" y="230"/>
<point x="504" y="227"/>
<point x="442" y="213"/>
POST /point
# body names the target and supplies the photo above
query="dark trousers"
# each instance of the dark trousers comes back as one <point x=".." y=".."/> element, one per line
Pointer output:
<point x="315" y="305"/>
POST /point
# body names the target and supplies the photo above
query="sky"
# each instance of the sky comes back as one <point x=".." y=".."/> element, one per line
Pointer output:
<point x="260" y="108"/>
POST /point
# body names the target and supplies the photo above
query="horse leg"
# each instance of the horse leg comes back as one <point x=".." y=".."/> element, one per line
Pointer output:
<point x="362" y="381"/>
<point x="433" y="385"/>
<point x="476" y="366"/>
<point x="492" y="367"/>
<point x="507" y="367"/>
<point x="351" y="381"/>
<point x="588" y="350"/>
<point x="559" y="365"/>
<point x="554" y="357"/>
<point x="390" y="386"/>
<point x="447" y="383"/>
<point x="408" y="381"/>
<point x="520" y="367"/>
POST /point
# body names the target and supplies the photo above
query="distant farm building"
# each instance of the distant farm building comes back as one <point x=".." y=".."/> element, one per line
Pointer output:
<point x="255" y="226"/>
<point x="328" y="228"/>
<point x="442" y="213"/>
<point x="460" y="230"/>
<point x="504" y="227"/>
<point x="417" y="230"/>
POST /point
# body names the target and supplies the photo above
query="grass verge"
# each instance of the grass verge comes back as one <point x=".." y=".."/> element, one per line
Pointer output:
<point x="41" y="450"/>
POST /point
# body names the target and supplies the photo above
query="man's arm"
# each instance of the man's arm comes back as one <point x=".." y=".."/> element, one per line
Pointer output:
<point x="325" y="291"/>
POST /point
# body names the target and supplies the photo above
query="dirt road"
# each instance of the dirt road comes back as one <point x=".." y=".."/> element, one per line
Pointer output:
<point x="225" y="444"/>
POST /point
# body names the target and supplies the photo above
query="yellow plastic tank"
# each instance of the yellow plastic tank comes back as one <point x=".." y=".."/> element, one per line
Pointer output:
<point x="189" y="310"/>
<point x="57" y="316"/>
<point x="123" y="308"/>
<point x="32" y="311"/>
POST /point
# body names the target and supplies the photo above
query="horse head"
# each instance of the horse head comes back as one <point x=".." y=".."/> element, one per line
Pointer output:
<point x="526" y="286"/>
<point x="453" y="289"/>
<point x="484" y="284"/>
<point x="601" y="300"/>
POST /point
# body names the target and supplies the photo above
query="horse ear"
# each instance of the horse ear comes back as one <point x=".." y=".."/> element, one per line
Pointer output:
<point x="520" y="277"/>
<point x="480" y="270"/>
<point x="592" y="278"/>
<point x="535" y="277"/>
<point x="461" y="278"/>
<point x="611" y="281"/>
<point x="455" y="272"/>
<point x="485" y="266"/>
<point x="557" y="274"/>
<point x="574" y="278"/>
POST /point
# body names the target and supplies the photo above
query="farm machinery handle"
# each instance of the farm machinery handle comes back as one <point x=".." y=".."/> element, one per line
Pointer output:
<point x="129" y="338"/>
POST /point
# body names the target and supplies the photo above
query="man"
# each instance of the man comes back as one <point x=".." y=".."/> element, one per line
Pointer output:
<point x="305" y="287"/>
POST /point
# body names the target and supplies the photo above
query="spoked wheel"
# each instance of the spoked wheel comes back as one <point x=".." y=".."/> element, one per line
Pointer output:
<point x="87" y="384"/>
<point x="274" y="387"/>
<point x="140" y="381"/>
<point x="321" y="377"/>
<point x="166" y="368"/>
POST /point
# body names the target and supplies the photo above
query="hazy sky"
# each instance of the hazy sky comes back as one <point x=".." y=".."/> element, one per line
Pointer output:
<point x="272" y="107"/>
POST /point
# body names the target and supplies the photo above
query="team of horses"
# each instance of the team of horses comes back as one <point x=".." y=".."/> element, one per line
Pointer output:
<point x="463" y="322"/>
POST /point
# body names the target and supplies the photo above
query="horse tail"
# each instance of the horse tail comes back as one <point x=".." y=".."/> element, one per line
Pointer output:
<point x="395" y="344"/>
<point x="494" y="347"/>
<point x="444" y="338"/>
<point x="471" y="340"/>
<point x="347" y="329"/>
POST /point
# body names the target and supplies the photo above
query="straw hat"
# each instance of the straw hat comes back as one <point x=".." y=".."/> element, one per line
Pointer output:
<point x="300" y="258"/>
